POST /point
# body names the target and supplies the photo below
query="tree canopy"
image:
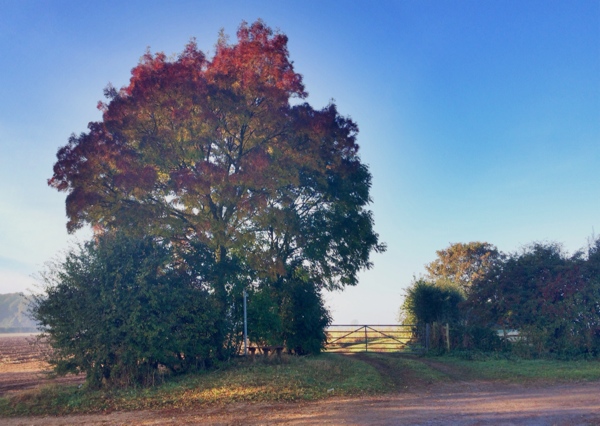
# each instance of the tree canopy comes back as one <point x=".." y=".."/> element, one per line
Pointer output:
<point x="552" y="298"/>
<point x="210" y="154"/>
<point x="463" y="263"/>
<point x="549" y="297"/>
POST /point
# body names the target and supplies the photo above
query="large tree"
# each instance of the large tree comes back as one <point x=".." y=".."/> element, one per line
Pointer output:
<point x="211" y="153"/>
<point x="463" y="263"/>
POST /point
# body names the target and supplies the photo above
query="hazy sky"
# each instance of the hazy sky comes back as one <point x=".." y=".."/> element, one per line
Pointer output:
<point x="479" y="120"/>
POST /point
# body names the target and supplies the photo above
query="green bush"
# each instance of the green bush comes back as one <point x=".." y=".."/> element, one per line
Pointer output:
<point x="550" y="297"/>
<point x="264" y="320"/>
<point x="428" y="302"/>
<point x="289" y="313"/>
<point x="476" y="338"/>
<point x="305" y="318"/>
<point x="122" y="310"/>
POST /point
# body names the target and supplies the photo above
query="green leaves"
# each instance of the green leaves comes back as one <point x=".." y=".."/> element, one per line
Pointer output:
<point x="426" y="302"/>
<point x="119" y="308"/>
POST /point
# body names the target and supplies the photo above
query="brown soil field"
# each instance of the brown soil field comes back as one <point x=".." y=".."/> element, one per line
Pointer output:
<point x="21" y="365"/>
<point x="456" y="402"/>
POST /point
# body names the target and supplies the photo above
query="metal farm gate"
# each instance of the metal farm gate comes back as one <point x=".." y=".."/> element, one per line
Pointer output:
<point x="372" y="338"/>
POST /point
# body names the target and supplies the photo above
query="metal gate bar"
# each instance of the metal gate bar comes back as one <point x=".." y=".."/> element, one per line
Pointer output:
<point x="352" y="338"/>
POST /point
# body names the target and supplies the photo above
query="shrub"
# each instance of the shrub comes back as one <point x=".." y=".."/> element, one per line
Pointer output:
<point x="427" y="302"/>
<point x="290" y="313"/>
<point x="551" y="298"/>
<point x="305" y="318"/>
<point x="121" y="309"/>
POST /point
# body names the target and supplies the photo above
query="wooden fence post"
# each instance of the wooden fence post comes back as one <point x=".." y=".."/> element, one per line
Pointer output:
<point x="427" y="337"/>
<point x="448" y="336"/>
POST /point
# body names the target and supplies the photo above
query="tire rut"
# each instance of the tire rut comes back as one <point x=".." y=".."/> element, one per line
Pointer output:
<point x="399" y="380"/>
<point x="453" y="373"/>
<point x="407" y="379"/>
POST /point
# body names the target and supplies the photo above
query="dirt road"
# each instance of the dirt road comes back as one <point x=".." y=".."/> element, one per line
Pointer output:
<point x="462" y="404"/>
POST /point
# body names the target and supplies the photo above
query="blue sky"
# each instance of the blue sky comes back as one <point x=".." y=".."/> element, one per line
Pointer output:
<point x="479" y="120"/>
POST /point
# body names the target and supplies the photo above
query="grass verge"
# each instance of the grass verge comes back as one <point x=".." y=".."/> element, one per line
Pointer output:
<point x="526" y="371"/>
<point x="292" y="379"/>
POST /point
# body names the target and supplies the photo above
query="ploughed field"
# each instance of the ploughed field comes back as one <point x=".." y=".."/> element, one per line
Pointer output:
<point x="19" y="348"/>
<point x="22" y="364"/>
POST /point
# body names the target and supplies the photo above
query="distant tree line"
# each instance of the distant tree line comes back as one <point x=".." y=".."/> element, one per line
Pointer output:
<point x="547" y="299"/>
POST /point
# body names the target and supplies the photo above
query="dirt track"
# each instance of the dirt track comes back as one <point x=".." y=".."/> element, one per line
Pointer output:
<point x="459" y="401"/>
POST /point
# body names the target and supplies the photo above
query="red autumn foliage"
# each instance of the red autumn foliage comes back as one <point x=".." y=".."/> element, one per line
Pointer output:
<point x="212" y="150"/>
